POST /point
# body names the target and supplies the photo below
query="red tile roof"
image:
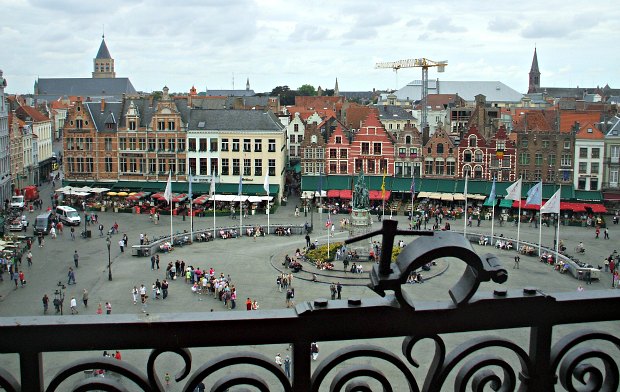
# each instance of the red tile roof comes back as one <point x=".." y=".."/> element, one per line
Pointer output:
<point x="569" y="117"/>
<point x="589" y="131"/>
<point x="533" y="120"/>
<point x="355" y="115"/>
<point x="31" y="112"/>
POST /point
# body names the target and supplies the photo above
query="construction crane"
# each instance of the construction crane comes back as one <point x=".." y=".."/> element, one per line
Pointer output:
<point x="425" y="64"/>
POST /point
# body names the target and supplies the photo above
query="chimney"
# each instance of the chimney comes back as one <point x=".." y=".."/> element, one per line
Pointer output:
<point x="102" y="105"/>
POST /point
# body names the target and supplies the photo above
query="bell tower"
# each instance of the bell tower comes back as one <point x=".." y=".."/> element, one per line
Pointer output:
<point x="103" y="63"/>
<point x="534" y="84"/>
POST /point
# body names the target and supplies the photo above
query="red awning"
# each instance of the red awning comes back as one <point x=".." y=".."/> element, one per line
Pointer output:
<point x="611" y="196"/>
<point x="333" y="193"/>
<point x="524" y="206"/>
<point x="376" y="195"/>
<point x="201" y="200"/>
<point x="597" y="208"/>
<point x="346" y="194"/>
<point x="178" y="198"/>
<point x="158" y="195"/>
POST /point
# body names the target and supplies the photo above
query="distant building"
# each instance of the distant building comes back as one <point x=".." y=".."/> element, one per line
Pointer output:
<point x="102" y="85"/>
<point x="5" y="161"/>
<point x="338" y="152"/>
<point x="41" y="127"/>
<point x="497" y="93"/>
<point x="589" y="158"/>
<point x="612" y="157"/>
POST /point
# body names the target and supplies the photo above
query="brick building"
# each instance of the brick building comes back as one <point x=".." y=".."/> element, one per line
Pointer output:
<point x="440" y="156"/>
<point x="408" y="148"/>
<point x="372" y="148"/>
<point x="338" y="147"/>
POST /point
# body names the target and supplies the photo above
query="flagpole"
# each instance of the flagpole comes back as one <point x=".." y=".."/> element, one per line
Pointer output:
<point x="191" y="215"/>
<point x="540" y="222"/>
<point x="268" y="212"/>
<point x="465" y="223"/>
<point x="328" y="220"/>
<point x="519" y="224"/>
<point x="557" y="242"/>
<point x="492" y="210"/>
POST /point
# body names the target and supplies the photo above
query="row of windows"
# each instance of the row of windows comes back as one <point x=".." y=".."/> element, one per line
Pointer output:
<point x="595" y="153"/>
<point x="594" y="167"/>
<point x="376" y="148"/>
<point x="247" y="145"/>
<point x="80" y="164"/>
<point x="300" y="138"/>
<point x="333" y="153"/>
<point x="439" y="167"/>
<point x="80" y="143"/>
<point x="545" y="143"/>
<point x="537" y="175"/>
<point x="524" y="159"/>
<point x="371" y="166"/>
<point x="141" y="144"/>
<point x="341" y="167"/>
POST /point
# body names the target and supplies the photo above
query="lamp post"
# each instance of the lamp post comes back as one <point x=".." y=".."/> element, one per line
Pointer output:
<point x="108" y="242"/>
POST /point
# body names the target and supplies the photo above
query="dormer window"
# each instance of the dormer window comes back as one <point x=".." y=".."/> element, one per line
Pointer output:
<point x="132" y="125"/>
<point x="313" y="139"/>
<point x="338" y="140"/>
<point x="472" y="141"/>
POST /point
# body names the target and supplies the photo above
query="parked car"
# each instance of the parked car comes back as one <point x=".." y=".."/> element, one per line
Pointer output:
<point x="19" y="224"/>
<point x="17" y="202"/>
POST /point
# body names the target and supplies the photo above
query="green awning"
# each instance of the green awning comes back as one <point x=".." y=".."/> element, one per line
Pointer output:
<point x="588" y="195"/>
<point x="489" y="203"/>
<point x="505" y="203"/>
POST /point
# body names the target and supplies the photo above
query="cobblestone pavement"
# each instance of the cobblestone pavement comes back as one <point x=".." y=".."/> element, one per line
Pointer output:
<point x="249" y="263"/>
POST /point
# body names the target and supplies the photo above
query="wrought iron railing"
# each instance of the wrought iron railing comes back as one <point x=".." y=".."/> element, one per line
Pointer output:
<point x="572" y="363"/>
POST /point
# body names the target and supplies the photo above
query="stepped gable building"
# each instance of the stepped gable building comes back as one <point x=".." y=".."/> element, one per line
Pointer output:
<point x="102" y="85"/>
<point x="313" y="151"/>
<point x="472" y="155"/>
<point x="440" y="155"/>
<point x="408" y="147"/>
<point x="295" y="136"/>
<point x="338" y="152"/>
<point x="486" y="159"/>
<point x="372" y="148"/>
<point x="543" y="152"/>
<point x="502" y="156"/>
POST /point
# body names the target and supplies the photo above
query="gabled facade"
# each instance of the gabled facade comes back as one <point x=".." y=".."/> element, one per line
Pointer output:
<point x="313" y="152"/>
<point x="589" y="158"/>
<point x="295" y="136"/>
<point x="440" y="156"/>
<point x="501" y="157"/>
<point x="41" y="127"/>
<point x="472" y="155"/>
<point x="80" y="145"/>
<point x="408" y="147"/>
<point x="338" y="152"/>
<point x="372" y="148"/>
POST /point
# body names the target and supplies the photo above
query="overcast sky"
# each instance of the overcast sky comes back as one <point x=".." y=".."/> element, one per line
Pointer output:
<point x="286" y="42"/>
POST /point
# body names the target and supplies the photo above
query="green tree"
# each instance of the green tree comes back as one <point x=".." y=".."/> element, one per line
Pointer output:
<point x="306" y="90"/>
<point x="287" y="96"/>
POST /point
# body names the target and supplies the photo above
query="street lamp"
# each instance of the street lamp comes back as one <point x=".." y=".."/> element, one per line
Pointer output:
<point x="107" y="240"/>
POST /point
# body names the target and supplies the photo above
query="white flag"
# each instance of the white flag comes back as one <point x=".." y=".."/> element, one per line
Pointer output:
<point x="552" y="206"/>
<point x="266" y="184"/>
<point x="212" y="188"/>
<point x="514" y="191"/>
<point x="168" y="191"/>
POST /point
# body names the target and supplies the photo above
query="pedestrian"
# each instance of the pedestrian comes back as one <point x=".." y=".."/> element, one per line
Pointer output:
<point x="71" y="276"/>
<point x="99" y="309"/>
<point x="134" y="294"/>
<point x="248" y="304"/>
<point x="164" y="289"/>
<point x="580" y="288"/>
<point x="46" y="302"/>
<point x="517" y="260"/>
<point x="29" y="258"/>
<point x="125" y="239"/>
<point x="121" y="245"/>
<point x="76" y="258"/>
<point x="588" y="276"/>
<point x="597" y="232"/>
<point x="339" y="289"/>
<point x="117" y="355"/>
<point x="287" y="366"/>
<point x="153" y="262"/>
<point x="142" y="293"/>
<point x="332" y="289"/>
<point x="108" y="308"/>
<point x="72" y="233"/>
<point x="73" y="305"/>
<point x="100" y="230"/>
<point x="40" y="240"/>
<point x="606" y="233"/>
<point x="22" y="279"/>
<point x="278" y="360"/>
<point x="307" y="240"/>
<point x="85" y="297"/>
<point x="314" y="349"/>
<point x="156" y="260"/>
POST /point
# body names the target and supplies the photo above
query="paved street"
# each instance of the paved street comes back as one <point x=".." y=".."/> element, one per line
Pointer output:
<point x="248" y="263"/>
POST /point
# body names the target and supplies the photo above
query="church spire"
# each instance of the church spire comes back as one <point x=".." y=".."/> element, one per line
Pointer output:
<point x="336" y="89"/>
<point x="534" y="80"/>
<point x="247" y="85"/>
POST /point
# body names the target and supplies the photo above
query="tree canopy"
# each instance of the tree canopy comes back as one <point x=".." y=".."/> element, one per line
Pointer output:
<point x="306" y="90"/>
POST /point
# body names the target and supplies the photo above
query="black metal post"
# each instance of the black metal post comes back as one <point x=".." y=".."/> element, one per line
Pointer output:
<point x="109" y="259"/>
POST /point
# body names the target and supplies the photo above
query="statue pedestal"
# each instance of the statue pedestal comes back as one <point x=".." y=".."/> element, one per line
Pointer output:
<point x="360" y="217"/>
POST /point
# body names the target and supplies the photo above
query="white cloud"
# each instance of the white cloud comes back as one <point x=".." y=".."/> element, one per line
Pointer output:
<point x="279" y="42"/>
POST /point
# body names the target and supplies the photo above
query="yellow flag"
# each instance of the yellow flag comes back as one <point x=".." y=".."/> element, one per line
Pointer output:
<point x="383" y="186"/>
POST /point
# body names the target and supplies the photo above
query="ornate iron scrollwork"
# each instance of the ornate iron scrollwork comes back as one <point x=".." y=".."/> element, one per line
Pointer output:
<point x="8" y="382"/>
<point x="430" y="246"/>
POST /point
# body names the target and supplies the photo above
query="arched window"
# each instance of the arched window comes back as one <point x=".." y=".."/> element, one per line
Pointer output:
<point x="478" y="172"/>
<point x="408" y="139"/>
<point x="440" y="148"/>
<point x="478" y="156"/>
<point x="472" y="141"/>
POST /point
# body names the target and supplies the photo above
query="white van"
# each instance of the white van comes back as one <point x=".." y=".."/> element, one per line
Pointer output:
<point x="68" y="215"/>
